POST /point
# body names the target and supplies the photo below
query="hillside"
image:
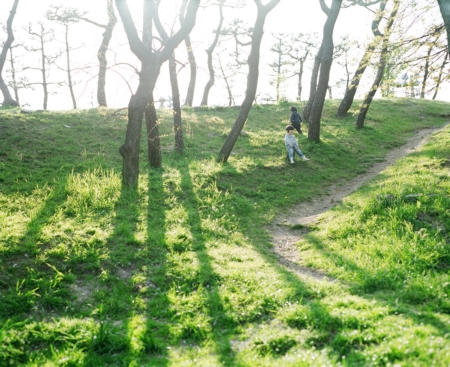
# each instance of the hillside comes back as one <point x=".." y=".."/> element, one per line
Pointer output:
<point x="182" y="271"/>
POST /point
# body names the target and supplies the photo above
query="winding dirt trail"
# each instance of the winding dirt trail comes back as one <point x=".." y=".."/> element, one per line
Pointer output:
<point x="293" y="224"/>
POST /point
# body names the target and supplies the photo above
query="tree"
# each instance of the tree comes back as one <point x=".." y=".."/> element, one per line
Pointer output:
<point x="444" y="6"/>
<point x="101" y="54"/>
<point x="301" y="46"/>
<point x="66" y="17"/>
<point x="7" y="98"/>
<point x="142" y="100"/>
<point x="252" y="78"/>
<point x="281" y="49"/>
<point x="381" y="66"/>
<point x="43" y="36"/>
<point x="350" y="91"/>
<point x="209" y="52"/>
<point x="325" y="66"/>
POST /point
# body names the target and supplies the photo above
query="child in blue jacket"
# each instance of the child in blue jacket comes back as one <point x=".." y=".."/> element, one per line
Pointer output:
<point x="292" y="145"/>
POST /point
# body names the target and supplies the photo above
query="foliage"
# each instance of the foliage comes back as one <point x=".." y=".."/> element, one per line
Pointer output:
<point x="180" y="271"/>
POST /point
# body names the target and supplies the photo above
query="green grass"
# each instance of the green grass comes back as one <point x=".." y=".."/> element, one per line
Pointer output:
<point x="180" y="272"/>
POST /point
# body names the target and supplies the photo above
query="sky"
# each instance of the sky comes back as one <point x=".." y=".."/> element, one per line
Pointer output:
<point x="289" y="16"/>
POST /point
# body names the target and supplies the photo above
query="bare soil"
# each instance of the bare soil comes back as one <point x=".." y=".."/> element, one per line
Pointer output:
<point x="293" y="224"/>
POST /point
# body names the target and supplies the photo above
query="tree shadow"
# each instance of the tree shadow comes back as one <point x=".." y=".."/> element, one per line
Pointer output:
<point x="221" y="325"/>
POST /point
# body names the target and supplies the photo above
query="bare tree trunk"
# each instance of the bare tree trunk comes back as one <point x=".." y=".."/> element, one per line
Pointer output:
<point x="7" y="98"/>
<point x="192" y="64"/>
<point x="43" y="70"/>
<point x="313" y="84"/>
<point x="177" y="124"/>
<point x="278" y="80"/>
<point x="69" y="71"/>
<point x="330" y="92"/>
<point x="325" y="67"/>
<point x="209" y="52"/>
<point x="426" y="72"/>
<point x="439" y="80"/>
<point x="299" y="83"/>
<point x="230" y="94"/>
<point x="252" y="78"/>
<point x="381" y="66"/>
<point x="13" y="75"/>
<point x="350" y="92"/>
<point x="153" y="138"/>
<point x="101" y="55"/>
<point x="444" y="6"/>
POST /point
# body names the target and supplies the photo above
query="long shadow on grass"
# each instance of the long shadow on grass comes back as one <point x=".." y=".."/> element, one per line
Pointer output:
<point x="380" y="282"/>
<point x="36" y="289"/>
<point x="208" y="281"/>
<point x="110" y="296"/>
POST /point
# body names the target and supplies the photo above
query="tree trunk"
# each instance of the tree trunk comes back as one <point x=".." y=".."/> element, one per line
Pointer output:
<point x="43" y="70"/>
<point x="252" y="78"/>
<point x="278" y="81"/>
<point x="439" y="80"/>
<point x="101" y="55"/>
<point x="313" y="84"/>
<point x="153" y="139"/>
<point x="325" y="67"/>
<point x="381" y="66"/>
<point x="209" y="52"/>
<point x="426" y="72"/>
<point x="177" y="124"/>
<point x="350" y="92"/>
<point x="13" y="74"/>
<point x="444" y="6"/>
<point x="225" y="78"/>
<point x="299" y="83"/>
<point x="7" y="98"/>
<point x="192" y="64"/>
<point x="69" y="71"/>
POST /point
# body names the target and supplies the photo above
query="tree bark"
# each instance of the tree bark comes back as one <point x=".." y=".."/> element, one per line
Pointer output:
<point x="381" y="66"/>
<point x="209" y="52"/>
<point x="192" y="63"/>
<point x="313" y="85"/>
<point x="350" y="91"/>
<point x="142" y="100"/>
<point x="444" y="6"/>
<point x="325" y="66"/>
<point x="176" y="108"/>
<point x="69" y="71"/>
<point x="439" y="80"/>
<point x="13" y="75"/>
<point x="225" y="78"/>
<point x="7" y="98"/>
<point x="426" y="72"/>
<point x="252" y="78"/>
<point x="153" y="138"/>
<point x="101" y="55"/>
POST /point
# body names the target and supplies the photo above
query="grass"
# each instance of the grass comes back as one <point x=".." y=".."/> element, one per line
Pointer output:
<point x="180" y="272"/>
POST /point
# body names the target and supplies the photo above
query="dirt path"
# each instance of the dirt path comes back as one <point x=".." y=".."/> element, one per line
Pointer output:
<point x="293" y="224"/>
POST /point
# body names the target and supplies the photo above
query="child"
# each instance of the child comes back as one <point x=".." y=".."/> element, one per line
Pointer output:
<point x="292" y="145"/>
<point x="296" y="120"/>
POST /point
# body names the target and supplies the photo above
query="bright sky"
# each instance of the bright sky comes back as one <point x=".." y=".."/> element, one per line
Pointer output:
<point x="289" y="16"/>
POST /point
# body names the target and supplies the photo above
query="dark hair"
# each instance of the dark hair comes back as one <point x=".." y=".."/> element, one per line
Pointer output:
<point x="293" y="109"/>
<point x="289" y="128"/>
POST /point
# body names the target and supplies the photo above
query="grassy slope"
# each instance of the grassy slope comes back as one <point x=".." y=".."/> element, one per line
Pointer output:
<point x="180" y="272"/>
